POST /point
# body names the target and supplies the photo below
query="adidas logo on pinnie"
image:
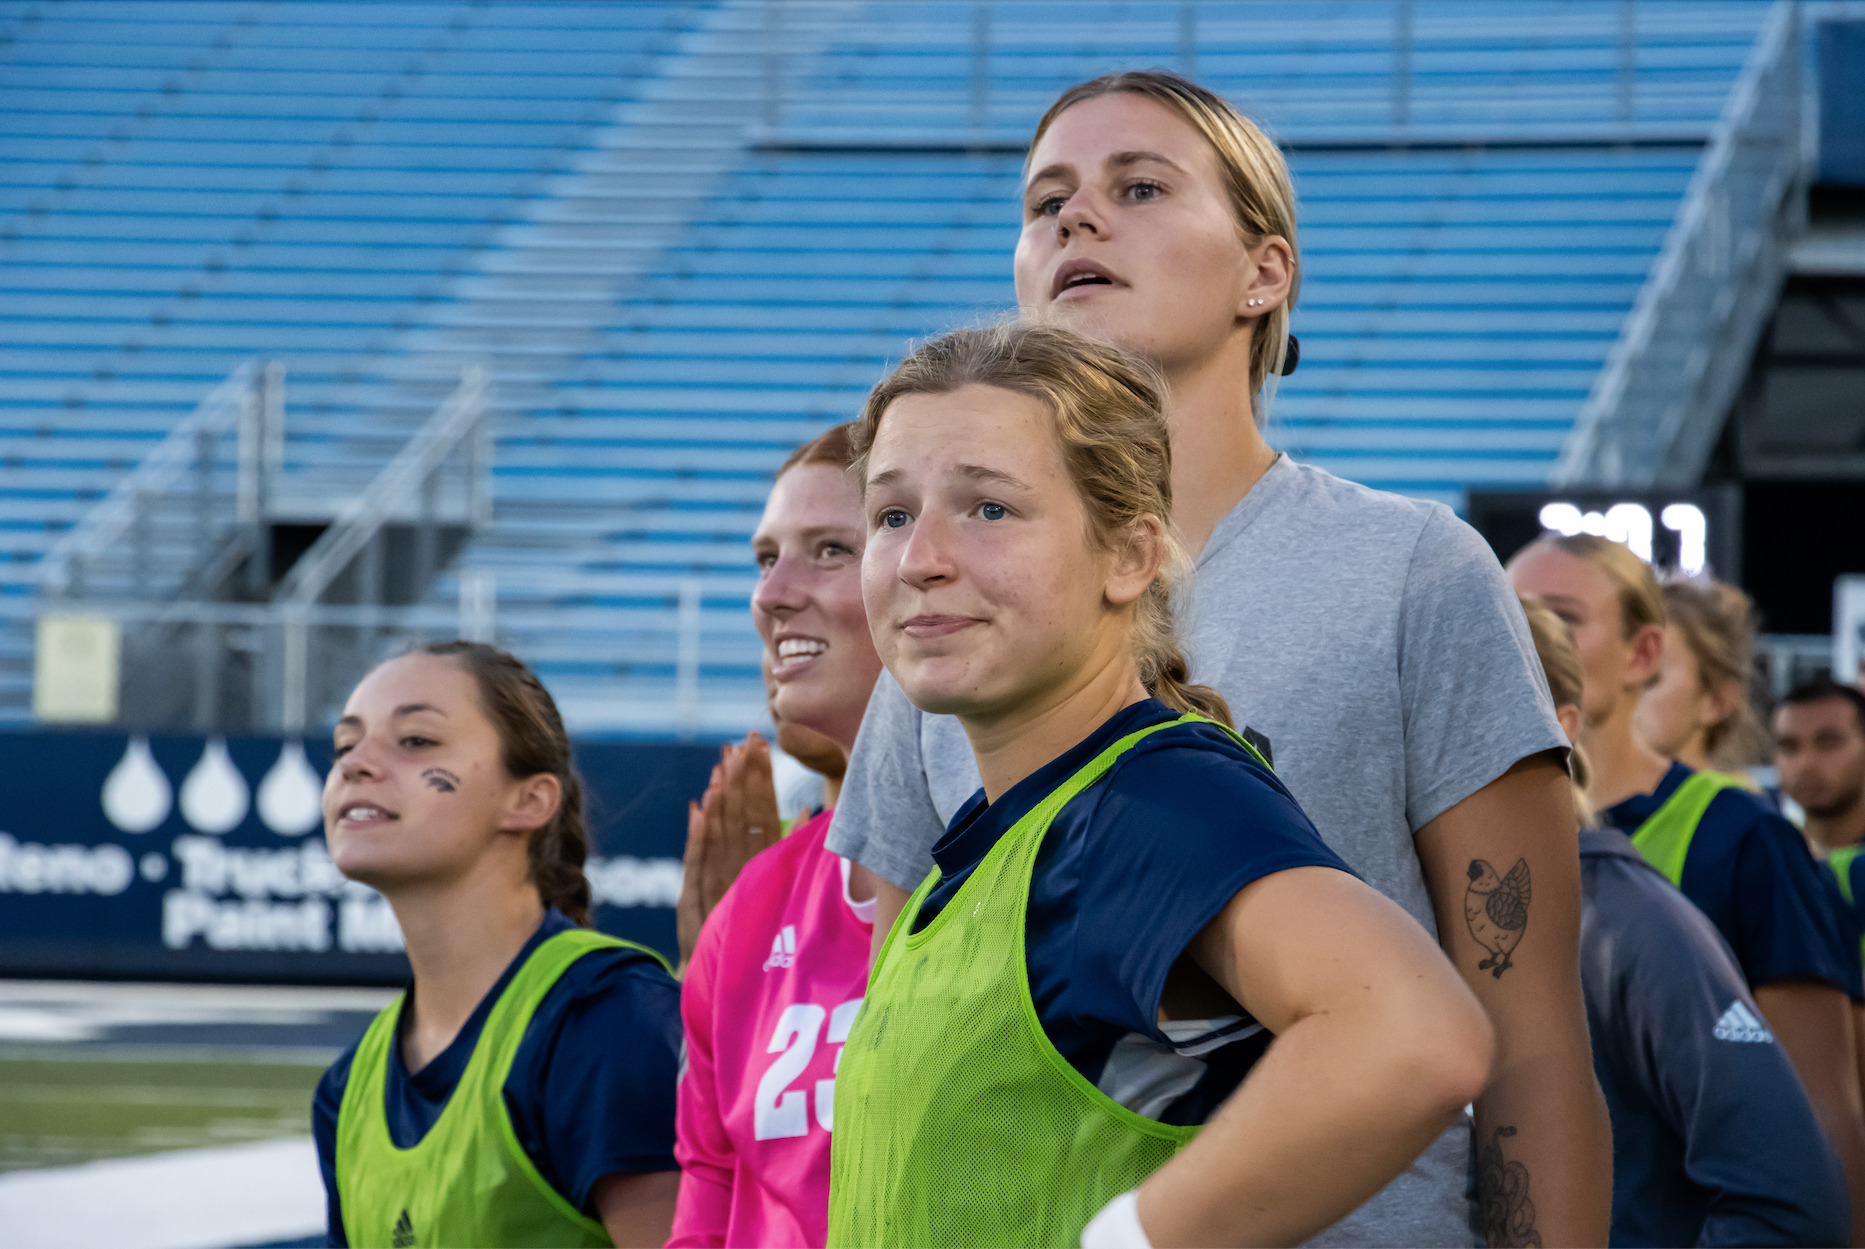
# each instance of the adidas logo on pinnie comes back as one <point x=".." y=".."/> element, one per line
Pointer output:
<point x="783" y="948"/>
<point x="403" y="1235"/>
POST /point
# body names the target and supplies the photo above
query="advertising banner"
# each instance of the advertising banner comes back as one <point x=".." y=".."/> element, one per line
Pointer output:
<point x="203" y="858"/>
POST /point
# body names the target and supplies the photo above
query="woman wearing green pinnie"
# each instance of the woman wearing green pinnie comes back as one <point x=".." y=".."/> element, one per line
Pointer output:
<point x="521" y="1092"/>
<point x="1139" y="1001"/>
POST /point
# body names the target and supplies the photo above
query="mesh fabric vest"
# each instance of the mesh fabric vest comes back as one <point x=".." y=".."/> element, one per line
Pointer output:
<point x="1839" y="862"/>
<point x="957" y="1122"/>
<point x="468" y="1181"/>
<point x="1664" y="839"/>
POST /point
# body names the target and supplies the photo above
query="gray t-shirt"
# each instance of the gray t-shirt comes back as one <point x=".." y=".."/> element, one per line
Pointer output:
<point x="1375" y="641"/>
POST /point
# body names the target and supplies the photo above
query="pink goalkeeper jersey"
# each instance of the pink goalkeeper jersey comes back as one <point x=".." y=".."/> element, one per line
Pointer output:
<point x="774" y="984"/>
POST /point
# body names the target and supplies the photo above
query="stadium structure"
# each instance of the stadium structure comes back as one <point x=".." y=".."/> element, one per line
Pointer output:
<point x="323" y="325"/>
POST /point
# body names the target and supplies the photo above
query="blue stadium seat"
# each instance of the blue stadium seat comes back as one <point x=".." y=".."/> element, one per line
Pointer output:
<point x="375" y="193"/>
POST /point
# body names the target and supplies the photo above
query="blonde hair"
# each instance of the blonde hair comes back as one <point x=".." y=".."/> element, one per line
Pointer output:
<point x="1262" y="194"/>
<point x="1640" y="602"/>
<point x="1560" y="664"/>
<point x="1717" y="623"/>
<point x="1108" y="414"/>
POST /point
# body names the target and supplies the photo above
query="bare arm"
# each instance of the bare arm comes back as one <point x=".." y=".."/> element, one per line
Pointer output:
<point x="637" y="1210"/>
<point x="1503" y="869"/>
<point x="1813" y="1023"/>
<point x="1378" y="1047"/>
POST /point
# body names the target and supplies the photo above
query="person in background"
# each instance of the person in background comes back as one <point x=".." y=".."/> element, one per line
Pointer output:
<point x="1714" y="1142"/>
<point x="1698" y="711"/>
<point x="1819" y="752"/>
<point x="1744" y="866"/>
<point x="1369" y="641"/>
<point x="521" y="1091"/>
<point x="1138" y="1001"/>
<point x="780" y="965"/>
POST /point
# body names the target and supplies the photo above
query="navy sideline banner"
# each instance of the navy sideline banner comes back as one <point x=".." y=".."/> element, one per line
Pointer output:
<point x="203" y="858"/>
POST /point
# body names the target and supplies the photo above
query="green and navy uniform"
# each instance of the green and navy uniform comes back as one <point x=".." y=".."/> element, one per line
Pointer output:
<point x="564" y="1073"/>
<point x="1009" y="1074"/>
<point x="1847" y="865"/>
<point x="1750" y="871"/>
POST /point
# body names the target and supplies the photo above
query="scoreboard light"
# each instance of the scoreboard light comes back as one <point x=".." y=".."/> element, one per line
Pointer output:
<point x="1694" y="531"/>
<point x="1630" y="523"/>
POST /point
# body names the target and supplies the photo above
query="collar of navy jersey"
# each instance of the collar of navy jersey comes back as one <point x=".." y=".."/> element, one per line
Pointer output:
<point x="1629" y="813"/>
<point x="981" y="823"/>
<point x="447" y="1066"/>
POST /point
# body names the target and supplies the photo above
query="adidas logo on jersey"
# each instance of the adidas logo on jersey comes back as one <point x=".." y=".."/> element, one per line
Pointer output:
<point x="403" y="1235"/>
<point x="783" y="948"/>
<point x="1740" y="1024"/>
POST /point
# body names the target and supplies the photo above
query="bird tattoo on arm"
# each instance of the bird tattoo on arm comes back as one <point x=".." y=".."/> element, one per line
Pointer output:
<point x="1496" y="909"/>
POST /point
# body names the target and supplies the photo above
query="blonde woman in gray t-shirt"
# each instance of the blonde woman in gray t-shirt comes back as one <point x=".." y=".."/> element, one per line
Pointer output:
<point x="1371" y="638"/>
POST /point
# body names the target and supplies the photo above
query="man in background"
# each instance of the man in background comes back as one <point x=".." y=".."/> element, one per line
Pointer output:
<point x="1819" y="750"/>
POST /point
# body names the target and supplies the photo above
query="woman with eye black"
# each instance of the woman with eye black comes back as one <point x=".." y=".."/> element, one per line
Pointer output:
<point x="1369" y="640"/>
<point x="521" y="1091"/>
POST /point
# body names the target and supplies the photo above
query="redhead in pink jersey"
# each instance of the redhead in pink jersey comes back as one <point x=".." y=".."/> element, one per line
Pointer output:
<point x="781" y="963"/>
<point x="768" y="1000"/>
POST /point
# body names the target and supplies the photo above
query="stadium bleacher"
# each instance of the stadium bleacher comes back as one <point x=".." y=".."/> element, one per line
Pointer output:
<point x="686" y="236"/>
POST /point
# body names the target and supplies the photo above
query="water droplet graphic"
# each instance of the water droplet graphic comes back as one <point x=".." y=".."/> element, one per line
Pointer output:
<point x="214" y="797"/>
<point x="137" y="795"/>
<point x="291" y="796"/>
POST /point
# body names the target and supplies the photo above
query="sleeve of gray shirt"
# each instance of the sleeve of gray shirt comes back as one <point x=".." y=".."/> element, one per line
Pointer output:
<point x="1472" y="690"/>
<point x="885" y="819"/>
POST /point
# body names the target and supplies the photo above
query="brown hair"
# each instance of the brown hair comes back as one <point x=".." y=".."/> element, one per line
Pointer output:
<point x="1640" y="602"/>
<point x="1262" y="194"/>
<point x="532" y="741"/>
<point x="831" y="447"/>
<point x="1560" y="664"/>
<point x="1109" y="416"/>
<point x="1717" y="623"/>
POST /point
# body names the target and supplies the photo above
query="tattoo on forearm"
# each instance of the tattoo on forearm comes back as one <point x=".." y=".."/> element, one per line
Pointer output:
<point x="441" y="779"/>
<point x="1507" y="1215"/>
<point x="1496" y="909"/>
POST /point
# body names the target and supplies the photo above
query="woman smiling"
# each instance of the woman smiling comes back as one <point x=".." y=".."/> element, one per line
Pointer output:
<point x="521" y="1092"/>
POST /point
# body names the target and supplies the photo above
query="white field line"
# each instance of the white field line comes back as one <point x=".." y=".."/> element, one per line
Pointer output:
<point x="188" y="1199"/>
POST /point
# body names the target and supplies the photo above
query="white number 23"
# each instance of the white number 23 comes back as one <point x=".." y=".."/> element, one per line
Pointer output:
<point x="777" y="1113"/>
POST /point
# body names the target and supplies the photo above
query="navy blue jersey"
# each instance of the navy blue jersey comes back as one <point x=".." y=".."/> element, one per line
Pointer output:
<point x="1130" y="871"/>
<point x="1714" y="1142"/>
<point x="1750" y="871"/>
<point x="1851" y="893"/>
<point x="591" y="1090"/>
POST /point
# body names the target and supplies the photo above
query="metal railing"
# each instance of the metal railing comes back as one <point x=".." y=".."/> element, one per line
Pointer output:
<point x="440" y="480"/>
<point x="1655" y="409"/>
<point x="1185" y="25"/>
<point x="280" y="667"/>
<point x="213" y="666"/>
<point x="450" y="450"/>
<point x="161" y="553"/>
<point x="190" y="511"/>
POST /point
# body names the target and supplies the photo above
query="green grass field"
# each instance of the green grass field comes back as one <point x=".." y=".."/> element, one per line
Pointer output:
<point x="56" y="1111"/>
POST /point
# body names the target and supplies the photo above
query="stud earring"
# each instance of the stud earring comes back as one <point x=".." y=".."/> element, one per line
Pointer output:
<point x="1255" y="302"/>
